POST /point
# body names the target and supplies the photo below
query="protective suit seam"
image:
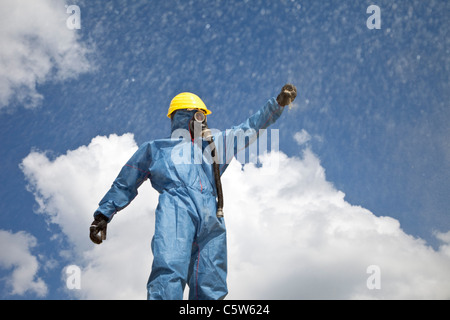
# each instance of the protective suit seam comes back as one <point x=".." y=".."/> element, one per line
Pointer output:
<point x="143" y="171"/>
<point x="196" y="271"/>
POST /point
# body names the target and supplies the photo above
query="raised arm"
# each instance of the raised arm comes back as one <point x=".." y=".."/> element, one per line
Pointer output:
<point x="233" y="140"/>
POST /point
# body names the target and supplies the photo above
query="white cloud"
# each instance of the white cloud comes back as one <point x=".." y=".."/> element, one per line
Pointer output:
<point x="36" y="47"/>
<point x="15" y="254"/>
<point x="68" y="190"/>
<point x="294" y="236"/>
<point x="291" y="234"/>
<point x="302" y="137"/>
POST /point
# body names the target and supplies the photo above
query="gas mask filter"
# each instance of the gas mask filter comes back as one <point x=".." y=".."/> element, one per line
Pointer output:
<point x="199" y="126"/>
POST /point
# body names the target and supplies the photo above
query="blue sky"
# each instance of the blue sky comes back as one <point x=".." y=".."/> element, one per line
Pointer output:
<point x="373" y="103"/>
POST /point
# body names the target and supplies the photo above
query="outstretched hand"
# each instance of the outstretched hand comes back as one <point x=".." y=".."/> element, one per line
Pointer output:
<point x="98" y="226"/>
<point x="287" y="95"/>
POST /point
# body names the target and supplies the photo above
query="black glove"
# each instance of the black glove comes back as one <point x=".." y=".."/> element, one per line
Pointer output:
<point x="98" y="226"/>
<point x="287" y="95"/>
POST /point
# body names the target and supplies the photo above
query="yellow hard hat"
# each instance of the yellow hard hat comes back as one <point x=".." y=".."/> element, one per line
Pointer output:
<point x="186" y="100"/>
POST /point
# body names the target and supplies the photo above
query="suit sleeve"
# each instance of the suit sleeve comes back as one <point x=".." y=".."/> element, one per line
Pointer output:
<point x="236" y="139"/>
<point x="125" y="187"/>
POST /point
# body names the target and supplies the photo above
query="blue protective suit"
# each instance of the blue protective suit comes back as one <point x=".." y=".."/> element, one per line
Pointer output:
<point x="189" y="244"/>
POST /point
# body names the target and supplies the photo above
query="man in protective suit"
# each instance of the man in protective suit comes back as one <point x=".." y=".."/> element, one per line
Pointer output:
<point x="189" y="244"/>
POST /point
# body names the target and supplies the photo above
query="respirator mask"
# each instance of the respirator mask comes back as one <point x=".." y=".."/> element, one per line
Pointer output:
<point x="198" y="126"/>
